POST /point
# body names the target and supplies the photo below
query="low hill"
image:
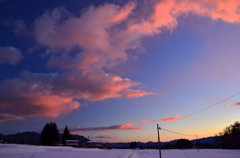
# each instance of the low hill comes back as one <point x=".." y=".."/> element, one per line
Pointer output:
<point x="76" y="137"/>
<point x="33" y="138"/>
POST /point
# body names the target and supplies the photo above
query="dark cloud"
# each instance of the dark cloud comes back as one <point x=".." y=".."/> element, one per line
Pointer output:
<point x="127" y="126"/>
<point x="105" y="137"/>
<point x="10" y="55"/>
<point x="19" y="27"/>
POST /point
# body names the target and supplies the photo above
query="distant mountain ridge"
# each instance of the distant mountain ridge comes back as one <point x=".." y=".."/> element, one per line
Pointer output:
<point x="33" y="138"/>
<point x="149" y="144"/>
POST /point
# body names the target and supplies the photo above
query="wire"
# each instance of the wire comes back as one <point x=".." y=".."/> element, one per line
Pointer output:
<point x="166" y="136"/>
<point x="150" y="135"/>
<point x="178" y="133"/>
<point x="170" y="140"/>
<point x="203" y="108"/>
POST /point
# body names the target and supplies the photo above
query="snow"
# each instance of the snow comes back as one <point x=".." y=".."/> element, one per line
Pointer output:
<point x="28" y="151"/>
<point x="192" y="153"/>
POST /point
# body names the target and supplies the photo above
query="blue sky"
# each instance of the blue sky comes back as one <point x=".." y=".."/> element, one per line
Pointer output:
<point x="112" y="70"/>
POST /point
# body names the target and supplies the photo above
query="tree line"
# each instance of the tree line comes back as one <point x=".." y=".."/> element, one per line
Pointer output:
<point x="229" y="138"/>
<point x="50" y="135"/>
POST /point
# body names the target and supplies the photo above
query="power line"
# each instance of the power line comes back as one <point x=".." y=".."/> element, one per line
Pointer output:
<point x="166" y="135"/>
<point x="177" y="132"/>
<point x="150" y="135"/>
<point x="170" y="140"/>
<point x="203" y="108"/>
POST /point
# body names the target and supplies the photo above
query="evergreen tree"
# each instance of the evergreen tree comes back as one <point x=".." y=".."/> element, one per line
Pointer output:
<point x="131" y="145"/>
<point x="66" y="135"/>
<point x="184" y="144"/>
<point x="230" y="137"/>
<point x="49" y="134"/>
<point x="135" y="145"/>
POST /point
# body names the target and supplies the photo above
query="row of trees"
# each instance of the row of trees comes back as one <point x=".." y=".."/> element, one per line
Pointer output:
<point x="180" y="144"/>
<point x="50" y="135"/>
<point x="229" y="138"/>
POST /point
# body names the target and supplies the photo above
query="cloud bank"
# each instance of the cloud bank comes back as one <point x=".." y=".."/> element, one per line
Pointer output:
<point x="127" y="126"/>
<point x="83" y="48"/>
<point x="105" y="137"/>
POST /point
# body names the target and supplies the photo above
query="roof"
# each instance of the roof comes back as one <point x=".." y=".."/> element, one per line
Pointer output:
<point x="72" y="144"/>
<point x="92" y="141"/>
<point x="76" y="141"/>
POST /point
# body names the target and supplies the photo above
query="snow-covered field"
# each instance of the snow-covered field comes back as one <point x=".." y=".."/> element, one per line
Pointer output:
<point x="28" y="151"/>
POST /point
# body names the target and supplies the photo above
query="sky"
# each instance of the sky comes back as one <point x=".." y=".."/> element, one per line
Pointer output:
<point x="112" y="70"/>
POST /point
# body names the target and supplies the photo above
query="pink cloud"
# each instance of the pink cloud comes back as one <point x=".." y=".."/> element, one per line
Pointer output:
<point x="145" y="121"/>
<point x="9" y="117"/>
<point x="127" y="126"/>
<point x="170" y="118"/>
<point x="237" y="104"/>
<point x="229" y="105"/>
<point x="215" y="9"/>
<point x="89" y="31"/>
<point x="124" y="12"/>
<point x="53" y="94"/>
<point x="84" y="47"/>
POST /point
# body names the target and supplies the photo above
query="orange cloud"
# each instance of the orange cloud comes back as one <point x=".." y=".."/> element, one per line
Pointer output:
<point x="124" y="12"/>
<point x="170" y="118"/>
<point x="229" y="105"/>
<point x="216" y="9"/>
<point x="166" y="12"/>
<point x="237" y="104"/>
<point x="145" y="121"/>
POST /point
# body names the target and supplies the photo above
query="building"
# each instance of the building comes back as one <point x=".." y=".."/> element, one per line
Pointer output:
<point x="93" y="144"/>
<point x="73" y="143"/>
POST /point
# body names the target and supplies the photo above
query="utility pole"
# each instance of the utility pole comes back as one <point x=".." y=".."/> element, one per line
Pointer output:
<point x="196" y="144"/>
<point x="159" y="146"/>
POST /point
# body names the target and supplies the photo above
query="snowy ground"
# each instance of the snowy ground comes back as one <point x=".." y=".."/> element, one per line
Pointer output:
<point x="27" y="151"/>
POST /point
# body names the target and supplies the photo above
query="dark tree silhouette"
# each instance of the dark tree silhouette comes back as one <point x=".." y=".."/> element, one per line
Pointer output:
<point x="133" y="145"/>
<point x="184" y="144"/>
<point x="49" y="134"/>
<point x="229" y="138"/>
<point x="66" y="135"/>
